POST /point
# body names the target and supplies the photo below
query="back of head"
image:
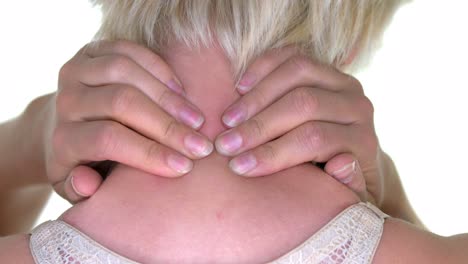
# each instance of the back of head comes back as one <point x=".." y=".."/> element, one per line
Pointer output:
<point x="327" y="31"/>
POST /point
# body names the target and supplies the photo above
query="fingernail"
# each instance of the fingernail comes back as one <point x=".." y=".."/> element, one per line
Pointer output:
<point x="346" y="173"/>
<point x="176" y="86"/>
<point x="72" y="181"/>
<point x="198" y="145"/>
<point x="229" y="143"/>
<point x="235" y="115"/>
<point x="191" y="117"/>
<point x="246" y="82"/>
<point x="179" y="163"/>
<point x="243" y="163"/>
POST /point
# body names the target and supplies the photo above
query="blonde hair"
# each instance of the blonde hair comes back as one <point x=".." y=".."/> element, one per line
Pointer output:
<point x="324" y="30"/>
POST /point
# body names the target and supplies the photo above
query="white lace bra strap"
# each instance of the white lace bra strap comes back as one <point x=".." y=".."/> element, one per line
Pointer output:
<point x="351" y="237"/>
<point x="55" y="242"/>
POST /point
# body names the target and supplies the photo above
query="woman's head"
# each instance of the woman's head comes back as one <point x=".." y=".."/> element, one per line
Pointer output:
<point x="328" y="31"/>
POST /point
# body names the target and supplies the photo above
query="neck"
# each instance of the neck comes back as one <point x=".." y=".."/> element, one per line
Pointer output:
<point x="207" y="78"/>
<point x="209" y="215"/>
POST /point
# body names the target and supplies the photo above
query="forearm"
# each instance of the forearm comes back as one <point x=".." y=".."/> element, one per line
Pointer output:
<point x="15" y="249"/>
<point x="402" y="242"/>
<point x="23" y="183"/>
<point x="20" y="208"/>
<point x="395" y="201"/>
<point x="22" y="162"/>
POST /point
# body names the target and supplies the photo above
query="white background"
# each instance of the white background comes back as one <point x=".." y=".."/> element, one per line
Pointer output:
<point x="417" y="81"/>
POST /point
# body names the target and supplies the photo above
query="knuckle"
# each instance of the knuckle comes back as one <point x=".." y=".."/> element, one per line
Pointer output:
<point x="154" y="62"/>
<point x="65" y="71"/>
<point x="366" y="106"/>
<point x="256" y="128"/>
<point x="153" y="152"/>
<point x="165" y="100"/>
<point x="121" y="45"/>
<point x="304" y="101"/>
<point x="123" y="100"/>
<point x="118" y="67"/>
<point x="355" y="84"/>
<point x="311" y="137"/>
<point x="105" y="140"/>
<point x="64" y="101"/>
<point x="302" y="65"/>
<point x="171" y="128"/>
<point x="256" y="99"/>
<point x="267" y="154"/>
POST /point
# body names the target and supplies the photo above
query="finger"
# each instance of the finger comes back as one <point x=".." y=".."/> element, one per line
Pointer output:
<point x="117" y="69"/>
<point x="312" y="141"/>
<point x="263" y="66"/>
<point x="133" y="76"/>
<point x="141" y="55"/>
<point x="304" y="69"/>
<point x="135" y="110"/>
<point x="81" y="183"/>
<point x="345" y="168"/>
<point x="80" y="143"/>
<point x="295" y="72"/>
<point x="65" y="190"/>
<point x="297" y="107"/>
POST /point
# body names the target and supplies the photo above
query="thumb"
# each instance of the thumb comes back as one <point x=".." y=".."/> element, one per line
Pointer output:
<point x="82" y="182"/>
<point x="345" y="168"/>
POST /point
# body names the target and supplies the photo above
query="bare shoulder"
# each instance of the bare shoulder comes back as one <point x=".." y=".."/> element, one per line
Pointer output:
<point x="405" y="243"/>
<point x="15" y="249"/>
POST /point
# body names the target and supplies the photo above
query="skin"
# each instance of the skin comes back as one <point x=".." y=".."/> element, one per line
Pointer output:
<point x="231" y="218"/>
<point x="125" y="105"/>
<point x="333" y="122"/>
<point x="246" y="214"/>
<point x="23" y="193"/>
<point x="111" y="84"/>
<point x="226" y="210"/>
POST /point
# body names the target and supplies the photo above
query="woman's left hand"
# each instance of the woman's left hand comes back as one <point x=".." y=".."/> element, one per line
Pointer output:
<point x="300" y="111"/>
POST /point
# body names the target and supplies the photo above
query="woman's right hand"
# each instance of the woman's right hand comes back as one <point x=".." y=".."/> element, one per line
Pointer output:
<point x="113" y="103"/>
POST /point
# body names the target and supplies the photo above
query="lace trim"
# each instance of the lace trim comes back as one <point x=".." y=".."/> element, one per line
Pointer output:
<point x="56" y="242"/>
<point x="351" y="237"/>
